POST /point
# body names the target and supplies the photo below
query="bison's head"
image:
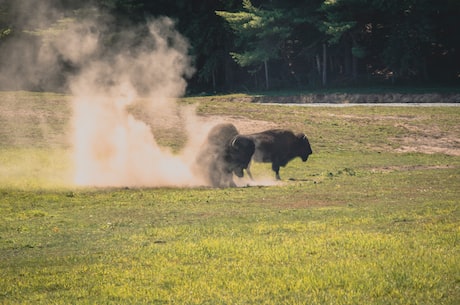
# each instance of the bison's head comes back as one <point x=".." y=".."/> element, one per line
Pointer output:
<point x="240" y="153"/>
<point x="304" y="147"/>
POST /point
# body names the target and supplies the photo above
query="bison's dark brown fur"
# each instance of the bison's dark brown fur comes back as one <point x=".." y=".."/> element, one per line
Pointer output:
<point x="224" y="152"/>
<point x="279" y="146"/>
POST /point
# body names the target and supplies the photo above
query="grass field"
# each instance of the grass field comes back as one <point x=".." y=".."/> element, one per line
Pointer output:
<point x="372" y="217"/>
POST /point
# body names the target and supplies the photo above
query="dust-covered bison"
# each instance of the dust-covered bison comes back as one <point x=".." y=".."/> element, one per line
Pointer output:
<point x="279" y="146"/>
<point x="224" y="153"/>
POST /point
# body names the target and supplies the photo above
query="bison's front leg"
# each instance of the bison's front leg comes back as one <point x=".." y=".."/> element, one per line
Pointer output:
<point x="276" y="169"/>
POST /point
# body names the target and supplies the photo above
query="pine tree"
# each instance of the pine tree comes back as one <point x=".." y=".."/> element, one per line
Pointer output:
<point x="260" y="34"/>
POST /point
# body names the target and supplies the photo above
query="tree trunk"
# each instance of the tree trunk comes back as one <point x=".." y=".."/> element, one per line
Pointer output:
<point x="266" y="74"/>
<point x="318" y="64"/>
<point x="347" y="62"/>
<point x="214" y="80"/>
<point x="324" y="74"/>
<point x="355" y="66"/>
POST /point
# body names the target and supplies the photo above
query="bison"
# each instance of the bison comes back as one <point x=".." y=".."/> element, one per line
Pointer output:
<point x="279" y="146"/>
<point x="224" y="153"/>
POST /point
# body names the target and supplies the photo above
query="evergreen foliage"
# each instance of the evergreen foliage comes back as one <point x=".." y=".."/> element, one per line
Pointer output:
<point x="290" y="44"/>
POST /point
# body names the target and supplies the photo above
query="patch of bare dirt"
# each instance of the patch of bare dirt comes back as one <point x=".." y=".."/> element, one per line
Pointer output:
<point x="429" y="140"/>
<point x="244" y="125"/>
<point x="416" y="137"/>
<point x="176" y="120"/>
<point x="389" y="169"/>
<point x="433" y="148"/>
<point x="368" y="118"/>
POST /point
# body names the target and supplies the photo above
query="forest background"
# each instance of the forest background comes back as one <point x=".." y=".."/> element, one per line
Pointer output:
<point x="262" y="45"/>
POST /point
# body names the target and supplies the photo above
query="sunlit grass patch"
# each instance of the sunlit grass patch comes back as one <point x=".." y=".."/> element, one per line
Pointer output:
<point x="358" y="223"/>
<point x="35" y="168"/>
<point x="229" y="246"/>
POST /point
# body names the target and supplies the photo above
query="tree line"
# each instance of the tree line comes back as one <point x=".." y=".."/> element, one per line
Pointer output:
<point x="295" y="44"/>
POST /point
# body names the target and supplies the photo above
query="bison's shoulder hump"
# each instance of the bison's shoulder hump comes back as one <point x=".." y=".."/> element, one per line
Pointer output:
<point x="273" y="133"/>
<point x="222" y="133"/>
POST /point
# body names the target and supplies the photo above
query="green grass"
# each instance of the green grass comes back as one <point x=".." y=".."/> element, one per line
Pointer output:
<point x="362" y="222"/>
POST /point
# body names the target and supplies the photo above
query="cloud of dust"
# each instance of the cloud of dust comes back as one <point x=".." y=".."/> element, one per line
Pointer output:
<point x="109" y="73"/>
<point x="112" y="146"/>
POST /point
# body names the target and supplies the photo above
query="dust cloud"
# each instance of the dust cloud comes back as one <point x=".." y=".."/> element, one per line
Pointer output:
<point x="108" y="73"/>
<point x="112" y="147"/>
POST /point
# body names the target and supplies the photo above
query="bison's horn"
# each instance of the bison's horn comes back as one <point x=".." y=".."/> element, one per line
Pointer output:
<point x="234" y="141"/>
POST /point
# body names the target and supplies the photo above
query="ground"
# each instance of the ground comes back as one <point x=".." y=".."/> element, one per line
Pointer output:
<point x="416" y="138"/>
<point x="431" y="140"/>
<point x="428" y="139"/>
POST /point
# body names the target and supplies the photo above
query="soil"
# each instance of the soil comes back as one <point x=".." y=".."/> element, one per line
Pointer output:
<point x="427" y="140"/>
<point x="430" y="140"/>
<point x="386" y="169"/>
<point x="429" y="143"/>
<point x="244" y="125"/>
